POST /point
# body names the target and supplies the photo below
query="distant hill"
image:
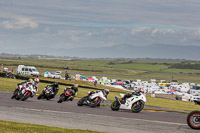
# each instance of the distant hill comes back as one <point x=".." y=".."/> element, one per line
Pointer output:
<point x="120" y="51"/>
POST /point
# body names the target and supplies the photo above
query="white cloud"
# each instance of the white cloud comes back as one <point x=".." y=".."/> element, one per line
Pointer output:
<point x="151" y="31"/>
<point x="19" y="23"/>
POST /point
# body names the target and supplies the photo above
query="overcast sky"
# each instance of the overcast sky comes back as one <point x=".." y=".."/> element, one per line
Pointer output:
<point x="97" y="23"/>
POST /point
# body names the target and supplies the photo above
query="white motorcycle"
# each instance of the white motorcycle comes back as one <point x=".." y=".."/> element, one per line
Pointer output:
<point x="134" y="102"/>
<point x="29" y="91"/>
<point x="92" y="99"/>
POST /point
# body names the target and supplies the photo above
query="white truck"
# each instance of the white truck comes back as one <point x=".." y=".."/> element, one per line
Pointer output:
<point x="27" y="70"/>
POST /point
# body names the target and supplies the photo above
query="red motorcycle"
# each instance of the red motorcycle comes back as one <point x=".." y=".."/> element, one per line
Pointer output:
<point x="193" y="119"/>
<point x="67" y="95"/>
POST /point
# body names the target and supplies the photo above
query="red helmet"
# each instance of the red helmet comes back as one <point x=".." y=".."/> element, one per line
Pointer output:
<point x="37" y="80"/>
<point x="142" y="90"/>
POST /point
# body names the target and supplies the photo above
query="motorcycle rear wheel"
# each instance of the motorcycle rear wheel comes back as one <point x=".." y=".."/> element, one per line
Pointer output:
<point x="193" y="120"/>
<point x="137" y="106"/>
<point x="115" y="106"/>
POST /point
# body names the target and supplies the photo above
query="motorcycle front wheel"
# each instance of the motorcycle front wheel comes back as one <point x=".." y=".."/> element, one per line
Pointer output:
<point x="61" y="98"/>
<point x="40" y="96"/>
<point x="115" y="106"/>
<point x="137" y="106"/>
<point x="94" y="103"/>
<point x="26" y="96"/>
<point x="15" y="93"/>
<point x="193" y="119"/>
<point x="81" y="101"/>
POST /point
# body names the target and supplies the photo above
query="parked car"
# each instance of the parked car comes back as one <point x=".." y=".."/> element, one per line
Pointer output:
<point x="56" y="74"/>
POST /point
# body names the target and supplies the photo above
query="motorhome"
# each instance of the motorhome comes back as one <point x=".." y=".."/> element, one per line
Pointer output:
<point x="27" y="70"/>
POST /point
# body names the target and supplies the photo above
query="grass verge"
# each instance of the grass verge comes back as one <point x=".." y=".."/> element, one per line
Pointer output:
<point x="14" y="127"/>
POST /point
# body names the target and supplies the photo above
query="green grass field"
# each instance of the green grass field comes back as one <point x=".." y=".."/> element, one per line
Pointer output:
<point x="159" y="70"/>
<point x="14" y="127"/>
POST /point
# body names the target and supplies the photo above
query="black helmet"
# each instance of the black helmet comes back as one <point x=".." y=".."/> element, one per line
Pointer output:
<point x="55" y="84"/>
<point x="106" y="91"/>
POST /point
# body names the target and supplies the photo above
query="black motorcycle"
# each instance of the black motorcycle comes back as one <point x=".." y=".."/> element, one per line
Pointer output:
<point x="47" y="93"/>
<point x="193" y="119"/>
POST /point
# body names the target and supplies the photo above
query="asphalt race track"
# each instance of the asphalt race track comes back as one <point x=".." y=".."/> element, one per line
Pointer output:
<point x="69" y="115"/>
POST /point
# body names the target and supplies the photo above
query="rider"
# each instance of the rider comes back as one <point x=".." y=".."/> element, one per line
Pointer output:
<point x="74" y="91"/>
<point x="128" y="95"/>
<point x="105" y="92"/>
<point x="36" y="82"/>
<point x="55" y="87"/>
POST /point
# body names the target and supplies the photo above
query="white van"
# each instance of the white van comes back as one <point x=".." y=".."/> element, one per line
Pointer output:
<point x="27" y="70"/>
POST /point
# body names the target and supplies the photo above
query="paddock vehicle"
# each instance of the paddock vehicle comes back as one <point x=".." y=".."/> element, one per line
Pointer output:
<point x="67" y="95"/>
<point x="27" y="70"/>
<point x="193" y="119"/>
<point x="49" y="91"/>
<point x="93" y="99"/>
<point x="134" y="102"/>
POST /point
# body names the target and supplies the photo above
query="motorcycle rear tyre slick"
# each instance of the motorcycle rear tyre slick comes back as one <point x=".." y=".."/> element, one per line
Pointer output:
<point x="189" y="120"/>
<point x="141" y="106"/>
<point x="115" y="106"/>
<point x="26" y="97"/>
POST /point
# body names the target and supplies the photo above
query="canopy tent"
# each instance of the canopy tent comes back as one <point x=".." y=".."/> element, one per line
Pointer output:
<point x="82" y="77"/>
<point x="107" y="81"/>
<point x="172" y="92"/>
<point x="90" y="78"/>
<point x="119" y="83"/>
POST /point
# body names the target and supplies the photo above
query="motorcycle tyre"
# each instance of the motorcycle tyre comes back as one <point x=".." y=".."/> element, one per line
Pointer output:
<point x="40" y="96"/>
<point x="61" y="98"/>
<point x="15" y="94"/>
<point x="94" y="104"/>
<point x="189" y="122"/>
<point x="80" y="102"/>
<point x="114" y="107"/>
<point x="26" y="97"/>
<point x="139" y="109"/>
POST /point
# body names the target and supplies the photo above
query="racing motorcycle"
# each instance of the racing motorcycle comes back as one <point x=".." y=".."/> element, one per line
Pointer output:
<point x="134" y="102"/>
<point x="29" y="91"/>
<point x="93" y="99"/>
<point x="67" y="95"/>
<point x="47" y="93"/>
<point x="193" y="119"/>
<point x="18" y="91"/>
